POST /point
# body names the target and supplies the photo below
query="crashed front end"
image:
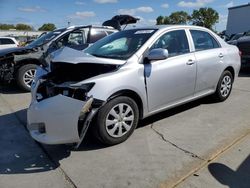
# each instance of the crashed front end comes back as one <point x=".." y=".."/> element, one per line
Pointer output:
<point x="61" y="109"/>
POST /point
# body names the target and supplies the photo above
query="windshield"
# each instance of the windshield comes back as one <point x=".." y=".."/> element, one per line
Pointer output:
<point x="45" y="38"/>
<point x="120" y="45"/>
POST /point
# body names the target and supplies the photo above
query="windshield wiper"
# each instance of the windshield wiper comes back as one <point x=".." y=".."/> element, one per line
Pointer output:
<point x="98" y="55"/>
<point x="109" y="56"/>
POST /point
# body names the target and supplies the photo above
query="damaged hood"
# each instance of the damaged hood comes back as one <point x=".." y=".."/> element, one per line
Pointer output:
<point x="14" y="51"/>
<point x="69" y="55"/>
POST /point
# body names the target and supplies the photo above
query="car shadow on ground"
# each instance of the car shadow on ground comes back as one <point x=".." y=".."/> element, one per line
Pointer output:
<point x="171" y="112"/>
<point x="244" y="72"/>
<point x="11" y="88"/>
<point x="19" y="153"/>
<point x="233" y="179"/>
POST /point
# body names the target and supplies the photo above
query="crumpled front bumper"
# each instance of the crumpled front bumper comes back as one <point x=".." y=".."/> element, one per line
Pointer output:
<point x="59" y="115"/>
<point x="55" y="120"/>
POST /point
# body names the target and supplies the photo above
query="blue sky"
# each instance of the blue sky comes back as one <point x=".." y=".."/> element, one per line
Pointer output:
<point x="60" y="12"/>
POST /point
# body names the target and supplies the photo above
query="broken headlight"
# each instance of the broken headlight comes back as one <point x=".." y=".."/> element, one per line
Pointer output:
<point x="79" y="93"/>
<point x="47" y="90"/>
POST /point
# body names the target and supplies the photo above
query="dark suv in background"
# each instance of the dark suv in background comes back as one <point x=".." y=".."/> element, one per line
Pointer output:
<point x="242" y="41"/>
<point x="20" y="63"/>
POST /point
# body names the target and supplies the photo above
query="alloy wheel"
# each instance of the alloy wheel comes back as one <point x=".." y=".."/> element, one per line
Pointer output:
<point x="119" y="120"/>
<point x="226" y="85"/>
<point x="29" y="76"/>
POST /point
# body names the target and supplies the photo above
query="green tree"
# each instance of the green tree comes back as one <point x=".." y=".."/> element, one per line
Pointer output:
<point x="166" y="20"/>
<point x="205" y="17"/>
<point x="6" y="26"/>
<point x="179" y="17"/>
<point x="159" y="20"/>
<point x="24" y="27"/>
<point x="47" y="27"/>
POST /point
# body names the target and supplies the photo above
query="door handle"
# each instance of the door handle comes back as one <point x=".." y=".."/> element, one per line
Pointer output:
<point x="190" y="62"/>
<point x="221" y="55"/>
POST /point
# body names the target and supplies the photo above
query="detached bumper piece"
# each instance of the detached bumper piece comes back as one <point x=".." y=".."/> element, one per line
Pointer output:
<point x="60" y="120"/>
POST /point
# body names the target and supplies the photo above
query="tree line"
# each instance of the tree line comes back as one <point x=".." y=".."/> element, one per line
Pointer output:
<point x="26" y="27"/>
<point x="205" y="17"/>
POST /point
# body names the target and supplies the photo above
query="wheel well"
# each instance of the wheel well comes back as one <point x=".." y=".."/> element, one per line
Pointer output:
<point x="25" y="62"/>
<point x="133" y="95"/>
<point x="231" y="69"/>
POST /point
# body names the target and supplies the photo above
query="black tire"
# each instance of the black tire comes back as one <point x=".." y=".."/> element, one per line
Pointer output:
<point x="100" y="129"/>
<point x="219" y="95"/>
<point x="21" y="73"/>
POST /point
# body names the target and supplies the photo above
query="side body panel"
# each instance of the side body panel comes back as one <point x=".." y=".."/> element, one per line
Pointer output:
<point x="170" y="80"/>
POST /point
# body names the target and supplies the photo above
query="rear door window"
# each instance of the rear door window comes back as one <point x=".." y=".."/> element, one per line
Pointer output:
<point x="203" y="40"/>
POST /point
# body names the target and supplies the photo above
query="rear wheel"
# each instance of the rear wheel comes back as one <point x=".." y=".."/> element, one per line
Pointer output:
<point x="224" y="86"/>
<point x="25" y="76"/>
<point x="116" y="120"/>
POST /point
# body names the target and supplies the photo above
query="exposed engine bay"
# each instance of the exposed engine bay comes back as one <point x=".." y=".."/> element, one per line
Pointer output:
<point x="58" y="87"/>
<point x="63" y="76"/>
<point x="9" y="62"/>
<point x="7" y="68"/>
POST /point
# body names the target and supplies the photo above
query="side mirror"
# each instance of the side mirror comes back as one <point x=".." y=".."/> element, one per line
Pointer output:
<point x="157" y="54"/>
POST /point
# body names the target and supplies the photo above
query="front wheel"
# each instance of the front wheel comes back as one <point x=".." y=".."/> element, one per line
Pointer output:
<point x="116" y="120"/>
<point x="224" y="86"/>
<point x="25" y="76"/>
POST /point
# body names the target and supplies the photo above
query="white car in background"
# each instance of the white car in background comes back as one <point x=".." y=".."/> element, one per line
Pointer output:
<point x="8" y="42"/>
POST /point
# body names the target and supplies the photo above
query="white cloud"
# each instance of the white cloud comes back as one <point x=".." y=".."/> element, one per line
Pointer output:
<point x="152" y="21"/>
<point x="230" y="4"/>
<point x="223" y="18"/>
<point x="80" y="3"/>
<point x="31" y="9"/>
<point x="194" y="4"/>
<point x="126" y="11"/>
<point x="165" y="5"/>
<point x="105" y="1"/>
<point x="145" y="9"/>
<point x="221" y="25"/>
<point x="82" y="15"/>
<point x="145" y="22"/>
<point x="135" y="10"/>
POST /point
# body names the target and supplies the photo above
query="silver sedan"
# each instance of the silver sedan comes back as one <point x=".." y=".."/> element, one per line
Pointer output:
<point x="126" y="77"/>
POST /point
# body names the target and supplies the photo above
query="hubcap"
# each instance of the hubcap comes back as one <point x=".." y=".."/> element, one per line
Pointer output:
<point x="119" y="120"/>
<point x="28" y="77"/>
<point x="226" y="85"/>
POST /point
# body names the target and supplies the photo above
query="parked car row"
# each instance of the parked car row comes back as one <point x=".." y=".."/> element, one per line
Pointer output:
<point x="125" y="77"/>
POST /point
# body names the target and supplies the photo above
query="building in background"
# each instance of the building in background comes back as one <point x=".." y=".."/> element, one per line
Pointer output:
<point x="238" y="19"/>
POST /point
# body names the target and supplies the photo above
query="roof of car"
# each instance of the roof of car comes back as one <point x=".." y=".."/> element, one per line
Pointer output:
<point x="159" y="27"/>
<point x="7" y="38"/>
<point x="82" y="26"/>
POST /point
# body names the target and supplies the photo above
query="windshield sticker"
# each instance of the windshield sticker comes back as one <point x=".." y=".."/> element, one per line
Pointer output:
<point x="144" y="31"/>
